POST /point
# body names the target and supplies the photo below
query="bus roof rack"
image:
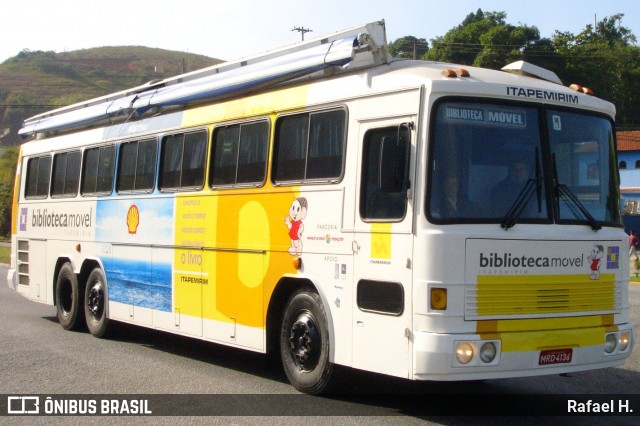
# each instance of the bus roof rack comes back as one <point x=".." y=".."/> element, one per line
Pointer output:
<point x="530" y="70"/>
<point x="353" y="48"/>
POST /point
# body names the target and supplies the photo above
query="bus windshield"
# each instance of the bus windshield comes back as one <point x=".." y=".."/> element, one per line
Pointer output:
<point x="508" y="164"/>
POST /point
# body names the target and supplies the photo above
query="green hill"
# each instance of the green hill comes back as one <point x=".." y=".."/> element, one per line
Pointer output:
<point x="35" y="81"/>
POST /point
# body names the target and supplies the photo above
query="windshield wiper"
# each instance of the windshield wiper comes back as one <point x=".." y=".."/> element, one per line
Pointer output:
<point x="562" y="189"/>
<point x="532" y="186"/>
<point x="570" y="198"/>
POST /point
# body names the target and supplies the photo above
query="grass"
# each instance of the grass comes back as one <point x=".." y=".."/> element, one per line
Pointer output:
<point x="4" y="254"/>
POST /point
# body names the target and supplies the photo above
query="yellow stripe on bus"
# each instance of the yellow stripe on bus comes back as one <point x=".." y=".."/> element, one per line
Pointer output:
<point x="251" y="106"/>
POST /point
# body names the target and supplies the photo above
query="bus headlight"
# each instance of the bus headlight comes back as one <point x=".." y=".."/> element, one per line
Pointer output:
<point x="488" y="352"/>
<point x="464" y="352"/>
<point x="623" y="341"/>
<point x="610" y="343"/>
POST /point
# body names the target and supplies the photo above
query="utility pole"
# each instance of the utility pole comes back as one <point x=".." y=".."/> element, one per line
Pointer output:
<point x="302" y="30"/>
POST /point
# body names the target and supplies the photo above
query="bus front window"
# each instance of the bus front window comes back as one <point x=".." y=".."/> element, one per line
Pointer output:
<point x="486" y="164"/>
<point x="583" y="160"/>
<point x="489" y="163"/>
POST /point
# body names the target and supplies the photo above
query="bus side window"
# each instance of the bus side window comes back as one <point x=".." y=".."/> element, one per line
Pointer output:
<point x="310" y="147"/>
<point x="383" y="191"/>
<point x="66" y="174"/>
<point x="137" y="166"/>
<point x="182" y="161"/>
<point x="98" y="170"/>
<point x="239" y="154"/>
<point x="38" y="177"/>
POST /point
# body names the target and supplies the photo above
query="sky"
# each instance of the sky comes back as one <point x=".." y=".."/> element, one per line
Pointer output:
<point x="230" y="30"/>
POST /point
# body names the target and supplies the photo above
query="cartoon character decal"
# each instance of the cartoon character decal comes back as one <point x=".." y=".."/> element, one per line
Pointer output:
<point x="595" y="259"/>
<point x="297" y="212"/>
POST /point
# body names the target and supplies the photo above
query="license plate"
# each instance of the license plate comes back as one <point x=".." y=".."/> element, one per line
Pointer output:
<point x="555" y="356"/>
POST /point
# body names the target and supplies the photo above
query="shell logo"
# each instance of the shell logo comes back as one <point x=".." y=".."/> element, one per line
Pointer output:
<point x="133" y="219"/>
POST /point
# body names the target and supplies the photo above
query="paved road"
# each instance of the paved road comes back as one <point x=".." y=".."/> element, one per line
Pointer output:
<point x="38" y="357"/>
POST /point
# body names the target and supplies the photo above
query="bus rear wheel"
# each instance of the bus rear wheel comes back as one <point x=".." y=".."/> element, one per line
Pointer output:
<point x="304" y="343"/>
<point x="68" y="299"/>
<point x="95" y="304"/>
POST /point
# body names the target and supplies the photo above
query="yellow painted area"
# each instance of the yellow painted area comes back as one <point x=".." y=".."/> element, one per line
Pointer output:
<point x="557" y="339"/>
<point x="238" y="251"/>
<point x="538" y="324"/>
<point x="16" y="195"/>
<point x="381" y="241"/>
<point x="239" y="237"/>
<point x="253" y="228"/>
<point x="547" y="333"/>
<point x="544" y="294"/>
<point x="194" y="219"/>
<point x="261" y="104"/>
<point x="544" y="279"/>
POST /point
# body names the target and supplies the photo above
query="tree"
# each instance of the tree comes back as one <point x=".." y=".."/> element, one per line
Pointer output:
<point x="485" y="39"/>
<point x="8" y="162"/>
<point x="409" y="47"/>
<point x="604" y="59"/>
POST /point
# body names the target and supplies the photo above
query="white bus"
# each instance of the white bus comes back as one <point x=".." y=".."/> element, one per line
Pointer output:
<point x="338" y="207"/>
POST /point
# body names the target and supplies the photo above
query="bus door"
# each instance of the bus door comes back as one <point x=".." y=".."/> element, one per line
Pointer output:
<point x="383" y="248"/>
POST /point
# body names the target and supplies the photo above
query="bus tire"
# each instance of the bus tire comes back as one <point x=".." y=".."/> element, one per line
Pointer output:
<point x="95" y="304"/>
<point x="68" y="299"/>
<point x="304" y="343"/>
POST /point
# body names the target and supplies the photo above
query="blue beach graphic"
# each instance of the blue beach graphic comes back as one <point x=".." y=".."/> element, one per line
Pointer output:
<point x="139" y="283"/>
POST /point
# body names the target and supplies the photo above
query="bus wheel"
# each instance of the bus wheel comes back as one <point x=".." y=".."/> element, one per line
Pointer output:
<point x="68" y="299"/>
<point x="304" y="343"/>
<point x="95" y="304"/>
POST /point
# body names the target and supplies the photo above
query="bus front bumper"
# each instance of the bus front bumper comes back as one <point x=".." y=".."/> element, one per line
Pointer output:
<point x="12" y="279"/>
<point x="450" y="357"/>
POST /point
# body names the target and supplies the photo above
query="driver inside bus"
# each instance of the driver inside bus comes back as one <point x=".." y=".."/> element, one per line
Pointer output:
<point x="506" y="191"/>
<point x="452" y="203"/>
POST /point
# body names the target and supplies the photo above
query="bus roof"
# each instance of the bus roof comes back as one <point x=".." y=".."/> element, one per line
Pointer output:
<point x="357" y="47"/>
<point x="361" y="47"/>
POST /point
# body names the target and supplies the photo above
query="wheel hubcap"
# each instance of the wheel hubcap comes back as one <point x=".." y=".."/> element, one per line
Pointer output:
<point x="305" y="342"/>
<point x="96" y="300"/>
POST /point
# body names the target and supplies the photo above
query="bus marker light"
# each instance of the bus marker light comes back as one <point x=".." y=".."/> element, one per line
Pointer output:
<point x="78" y="248"/>
<point x="461" y="72"/>
<point x="438" y="299"/>
<point x="579" y="88"/>
<point x="448" y="73"/>
<point x="297" y="263"/>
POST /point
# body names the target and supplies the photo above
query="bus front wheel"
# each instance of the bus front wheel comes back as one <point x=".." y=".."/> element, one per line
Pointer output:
<point x="68" y="298"/>
<point x="95" y="304"/>
<point x="304" y="343"/>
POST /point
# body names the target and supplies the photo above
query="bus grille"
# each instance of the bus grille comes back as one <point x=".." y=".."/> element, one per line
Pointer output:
<point x="541" y="296"/>
<point x="23" y="262"/>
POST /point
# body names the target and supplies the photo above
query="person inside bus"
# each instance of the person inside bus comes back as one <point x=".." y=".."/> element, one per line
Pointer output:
<point x="506" y="191"/>
<point x="452" y="203"/>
